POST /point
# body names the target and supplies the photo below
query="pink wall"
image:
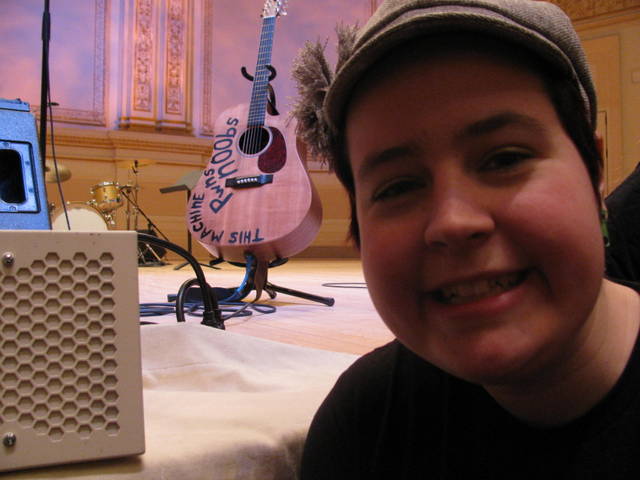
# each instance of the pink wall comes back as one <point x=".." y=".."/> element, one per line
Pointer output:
<point x="236" y="26"/>
<point x="71" y="51"/>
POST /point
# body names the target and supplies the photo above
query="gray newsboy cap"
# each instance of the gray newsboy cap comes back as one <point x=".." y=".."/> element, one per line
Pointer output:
<point x="538" y="26"/>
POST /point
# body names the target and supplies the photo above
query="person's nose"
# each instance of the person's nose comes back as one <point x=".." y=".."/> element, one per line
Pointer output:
<point x="458" y="216"/>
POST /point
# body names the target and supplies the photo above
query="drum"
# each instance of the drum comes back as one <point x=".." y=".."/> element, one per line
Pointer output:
<point x="106" y="196"/>
<point x="82" y="217"/>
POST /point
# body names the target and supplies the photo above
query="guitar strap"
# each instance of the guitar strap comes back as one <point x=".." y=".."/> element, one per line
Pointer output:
<point x="271" y="102"/>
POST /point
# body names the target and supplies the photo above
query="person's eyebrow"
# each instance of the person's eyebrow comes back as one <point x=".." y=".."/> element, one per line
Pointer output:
<point x="378" y="159"/>
<point x="476" y="129"/>
<point x="498" y="121"/>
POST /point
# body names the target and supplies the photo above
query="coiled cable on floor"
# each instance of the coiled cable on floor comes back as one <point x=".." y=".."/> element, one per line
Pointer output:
<point x="211" y="315"/>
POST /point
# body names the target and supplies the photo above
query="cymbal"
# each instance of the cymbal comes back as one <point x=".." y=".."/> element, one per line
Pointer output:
<point x="50" y="173"/>
<point x="142" y="162"/>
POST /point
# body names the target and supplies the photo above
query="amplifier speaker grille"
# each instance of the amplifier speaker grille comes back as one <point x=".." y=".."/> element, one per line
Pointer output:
<point x="61" y="371"/>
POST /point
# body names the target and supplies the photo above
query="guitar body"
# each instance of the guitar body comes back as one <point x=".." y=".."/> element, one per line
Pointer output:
<point x="255" y="195"/>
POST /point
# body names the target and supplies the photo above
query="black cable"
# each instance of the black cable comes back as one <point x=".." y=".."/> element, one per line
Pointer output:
<point x="181" y="303"/>
<point x="156" y="309"/>
<point x="181" y="296"/>
<point x="55" y="161"/>
<point x="211" y="315"/>
<point x="241" y="312"/>
<point x="45" y="104"/>
<point x="192" y="308"/>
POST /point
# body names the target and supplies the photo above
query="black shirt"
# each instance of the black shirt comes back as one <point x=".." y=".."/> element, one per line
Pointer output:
<point x="392" y="415"/>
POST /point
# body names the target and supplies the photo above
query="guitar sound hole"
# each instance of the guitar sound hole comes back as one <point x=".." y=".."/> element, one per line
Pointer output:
<point x="254" y="140"/>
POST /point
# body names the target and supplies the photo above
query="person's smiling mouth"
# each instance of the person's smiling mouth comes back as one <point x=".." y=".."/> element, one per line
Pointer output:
<point x="474" y="290"/>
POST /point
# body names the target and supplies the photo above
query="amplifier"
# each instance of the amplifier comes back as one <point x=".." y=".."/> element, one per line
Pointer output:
<point x="70" y="369"/>
<point x="23" y="197"/>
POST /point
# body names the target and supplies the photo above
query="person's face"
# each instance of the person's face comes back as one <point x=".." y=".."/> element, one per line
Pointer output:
<point x="479" y="227"/>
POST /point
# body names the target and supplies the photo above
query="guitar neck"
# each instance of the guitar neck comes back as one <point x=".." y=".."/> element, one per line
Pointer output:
<point x="259" y="91"/>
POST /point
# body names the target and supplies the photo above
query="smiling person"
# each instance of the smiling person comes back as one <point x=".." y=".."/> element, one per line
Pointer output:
<point x="464" y="133"/>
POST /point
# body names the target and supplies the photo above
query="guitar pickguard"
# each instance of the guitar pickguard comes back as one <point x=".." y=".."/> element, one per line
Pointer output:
<point x="275" y="157"/>
<point x="268" y="144"/>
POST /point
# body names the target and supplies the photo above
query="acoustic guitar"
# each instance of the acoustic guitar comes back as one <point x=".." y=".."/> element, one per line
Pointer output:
<point x="255" y="195"/>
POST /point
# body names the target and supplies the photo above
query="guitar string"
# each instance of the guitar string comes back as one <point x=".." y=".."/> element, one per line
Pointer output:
<point x="257" y="85"/>
<point x="260" y="88"/>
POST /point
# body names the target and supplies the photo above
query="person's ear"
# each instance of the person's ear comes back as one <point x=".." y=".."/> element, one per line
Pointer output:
<point x="601" y="150"/>
<point x="599" y="143"/>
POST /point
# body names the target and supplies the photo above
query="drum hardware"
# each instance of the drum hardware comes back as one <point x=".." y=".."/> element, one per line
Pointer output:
<point x="109" y="218"/>
<point x="147" y="255"/>
<point x="106" y="196"/>
<point x="144" y="249"/>
<point x="96" y="215"/>
<point x="83" y="217"/>
<point x="133" y="165"/>
<point x="131" y="191"/>
<point x="150" y="253"/>
<point x="93" y="216"/>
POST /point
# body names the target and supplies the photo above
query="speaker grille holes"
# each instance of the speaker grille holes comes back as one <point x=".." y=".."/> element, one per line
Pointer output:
<point x="57" y="346"/>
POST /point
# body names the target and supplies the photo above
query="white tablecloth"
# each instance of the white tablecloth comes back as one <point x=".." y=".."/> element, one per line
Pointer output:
<point x="218" y="405"/>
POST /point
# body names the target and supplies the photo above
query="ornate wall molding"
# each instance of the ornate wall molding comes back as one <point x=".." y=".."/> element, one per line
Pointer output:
<point x="159" y="96"/>
<point x="207" y="70"/>
<point x="176" y="48"/>
<point x="143" y="57"/>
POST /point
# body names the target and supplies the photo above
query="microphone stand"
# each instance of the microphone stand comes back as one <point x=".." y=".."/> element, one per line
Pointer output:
<point x="44" y="85"/>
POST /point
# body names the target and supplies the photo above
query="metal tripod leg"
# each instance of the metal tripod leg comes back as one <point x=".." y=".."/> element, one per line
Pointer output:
<point x="256" y="272"/>
<point x="142" y="261"/>
<point x="271" y="289"/>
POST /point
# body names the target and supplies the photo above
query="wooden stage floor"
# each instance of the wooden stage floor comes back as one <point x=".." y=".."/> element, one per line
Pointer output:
<point x="350" y="325"/>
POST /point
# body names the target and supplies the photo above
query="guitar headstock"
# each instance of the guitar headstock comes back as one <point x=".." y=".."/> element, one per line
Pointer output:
<point x="274" y="8"/>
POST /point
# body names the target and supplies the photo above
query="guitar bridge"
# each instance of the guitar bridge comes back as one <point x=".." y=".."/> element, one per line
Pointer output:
<point x="250" y="181"/>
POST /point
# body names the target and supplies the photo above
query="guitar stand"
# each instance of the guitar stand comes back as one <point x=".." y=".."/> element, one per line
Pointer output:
<point x="256" y="279"/>
<point x="256" y="271"/>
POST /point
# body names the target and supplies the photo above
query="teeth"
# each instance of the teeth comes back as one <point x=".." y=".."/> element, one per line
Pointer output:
<point x="468" y="292"/>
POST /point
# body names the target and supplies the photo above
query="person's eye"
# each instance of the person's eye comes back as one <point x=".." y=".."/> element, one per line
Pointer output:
<point x="396" y="189"/>
<point x="505" y="159"/>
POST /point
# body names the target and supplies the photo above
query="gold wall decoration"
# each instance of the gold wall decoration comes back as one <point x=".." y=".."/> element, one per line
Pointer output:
<point x="174" y="94"/>
<point x="143" y="61"/>
<point x="207" y="70"/>
<point x="157" y="95"/>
